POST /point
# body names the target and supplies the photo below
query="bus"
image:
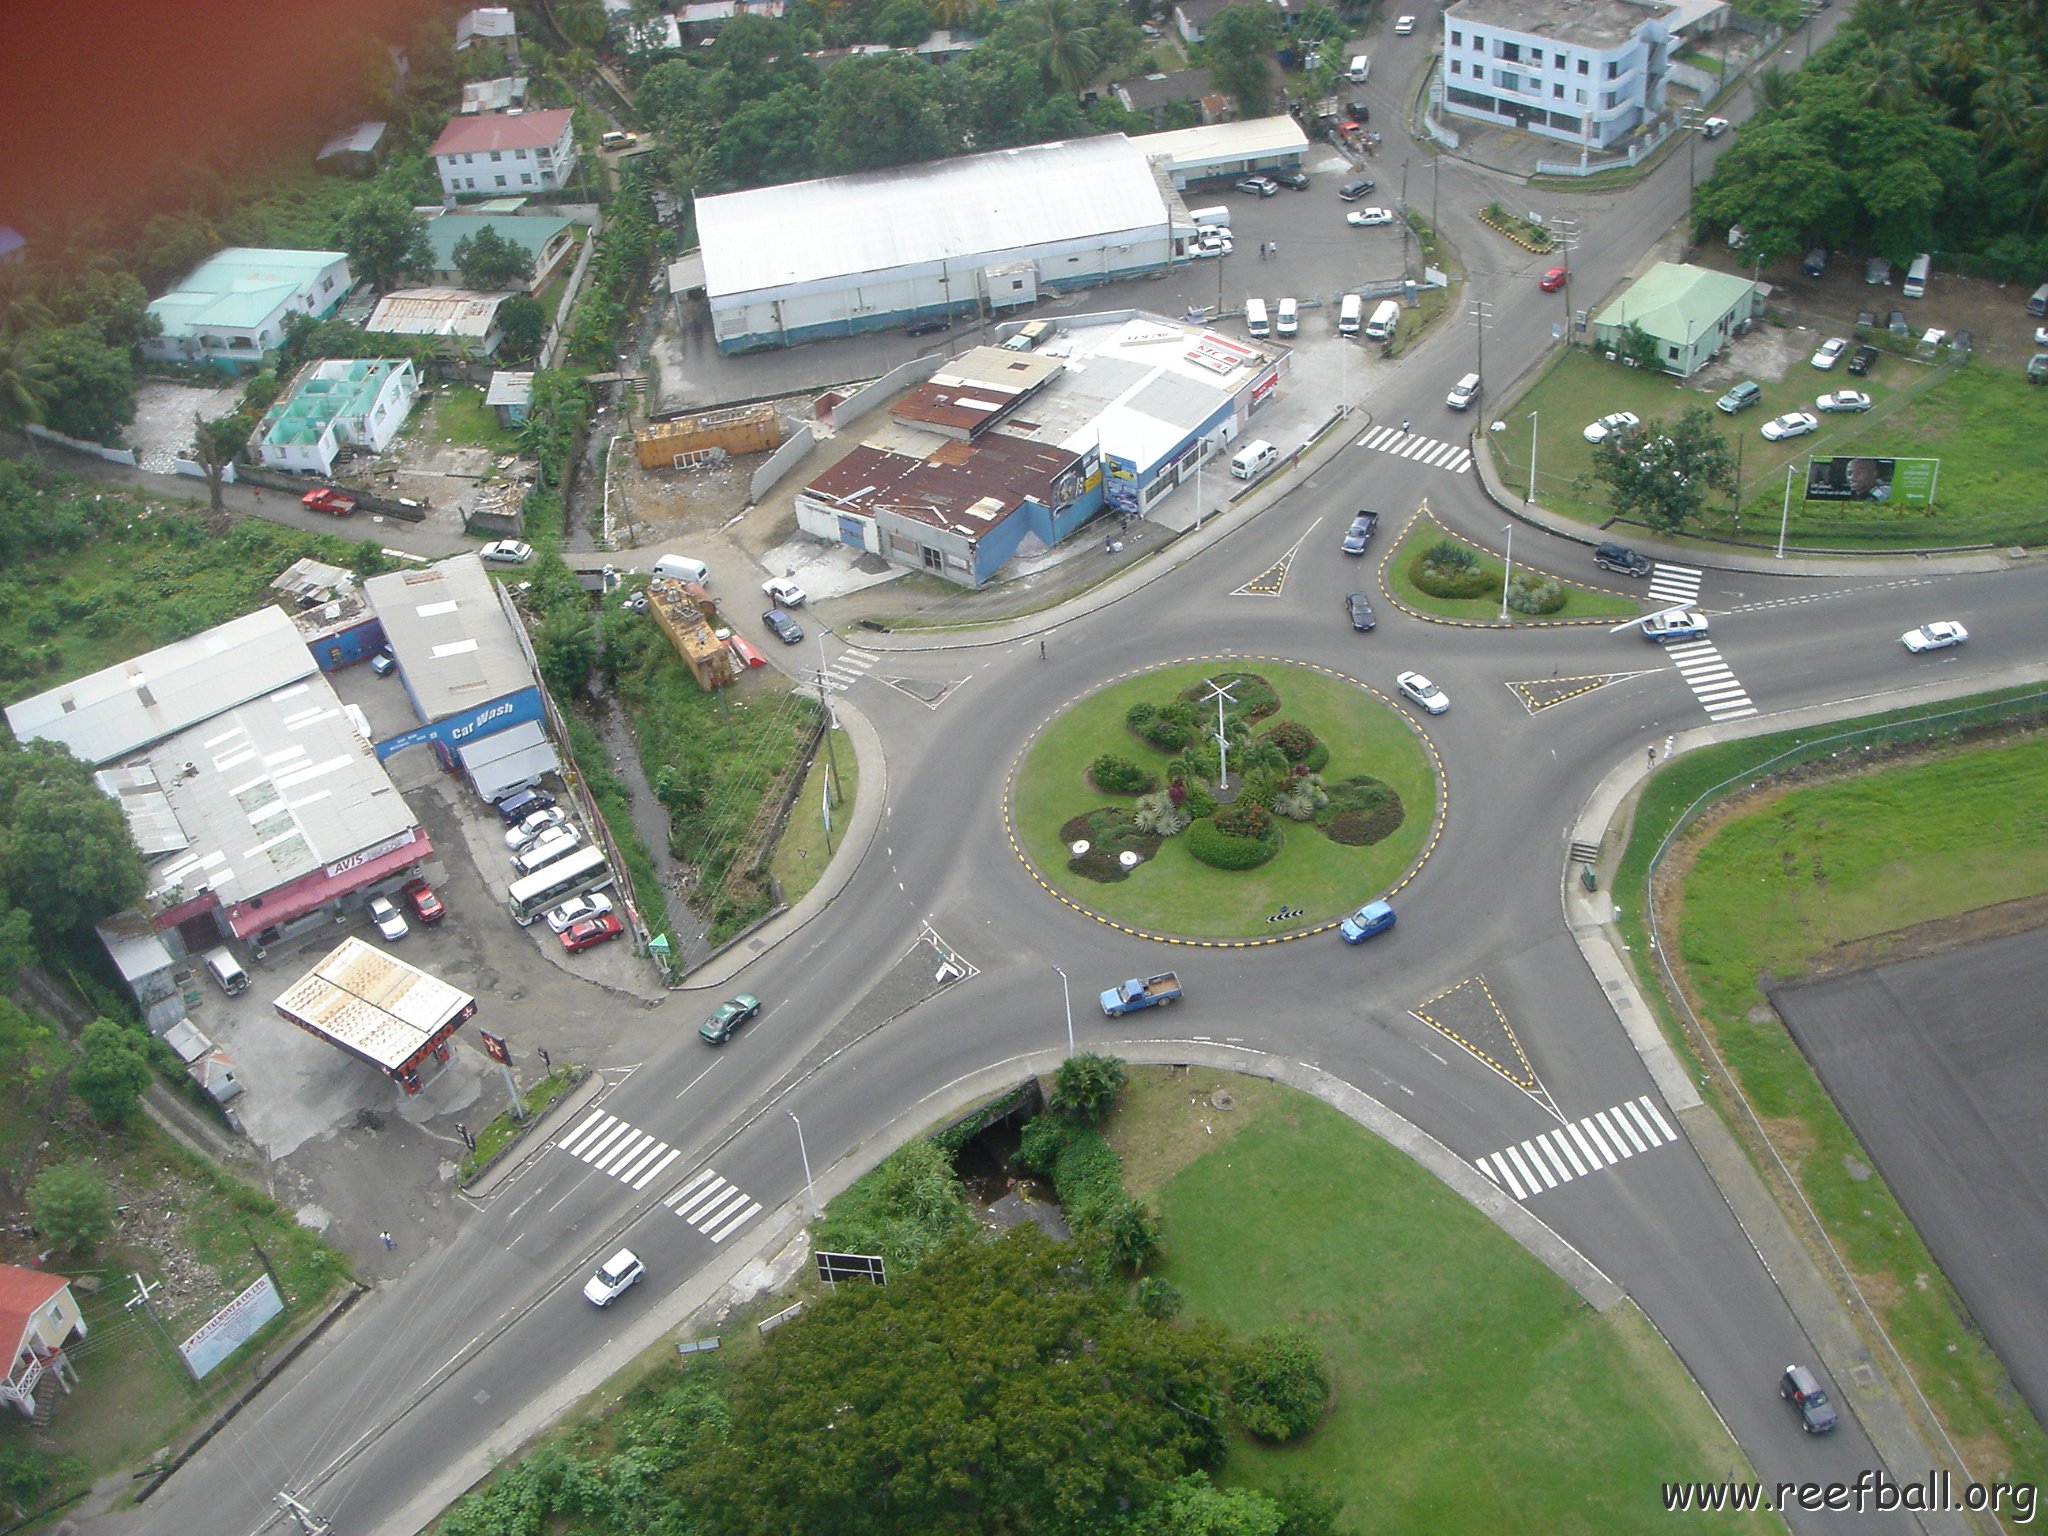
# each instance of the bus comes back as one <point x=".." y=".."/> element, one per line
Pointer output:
<point x="570" y="875"/>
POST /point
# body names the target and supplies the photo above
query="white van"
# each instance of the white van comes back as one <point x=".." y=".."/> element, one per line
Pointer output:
<point x="1288" y="320"/>
<point x="1254" y="459"/>
<point x="547" y="848"/>
<point x="1210" y="218"/>
<point x="1347" y="317"/>
<point x="226" y="970"/>
<point x="1917" y="274"/>
<point x="1386" y="316"/>
<point x="2037" y="304"/>
<point x="1463" y="393"/>
<point x="1255" y="323"/>
<point x="681" y="568"/>
<point x="1361" y="66"/>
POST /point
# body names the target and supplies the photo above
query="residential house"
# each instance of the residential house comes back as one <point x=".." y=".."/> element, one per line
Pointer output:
<point x="1690" y="311"/>
<point x="491" y="26"/>
<point x="232" y="309"/>
<point x="497" y="95"/>
<point x="466" y="323"/>
<point x="38" y="1316"/>
<point x="1587" y="72"/>
<point x="494" y="152"/>
<point x="334" y="404"/>
<point x="511" y="396"/>
<point x="357" y="152"/>
<point x="1153" y="94"/>
<point x="548" y="238"/>
<point x="1191" y="16"/>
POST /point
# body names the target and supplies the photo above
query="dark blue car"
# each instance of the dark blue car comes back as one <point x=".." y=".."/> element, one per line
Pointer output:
<point x="786" y="629"/>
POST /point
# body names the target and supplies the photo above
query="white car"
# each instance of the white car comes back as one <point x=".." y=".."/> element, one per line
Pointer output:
<point x="1403" y="26"/>
<point x="1212" y="245"/>
<point x="1830" y="352"/>
<point x="1419" y="688"/>
<point x="621" y="1272"/>
<point x="506" y="552"/>
<point x="2041" y="335"/>
<point x="1843" y="400"/>
<point x="389" y="920"/>
<point x="1938" y="636"/>
<point x="1791" y="424"/>
<point x="1367" y="218"/>
<point x="1620" y="421"/>
<point x="522" y="835"/>
<point x="1675" y="624"/>
<point x="577" y="908"/>
<point x="784" y="593"/>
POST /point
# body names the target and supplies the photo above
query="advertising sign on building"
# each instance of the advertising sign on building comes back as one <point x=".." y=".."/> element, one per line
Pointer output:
<point x="231" y="1327"/>
<point x="495" y="1047"/>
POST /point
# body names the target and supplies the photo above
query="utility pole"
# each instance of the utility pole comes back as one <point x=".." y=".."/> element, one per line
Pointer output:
<point x="1689" y="124"/>
<point x="1482" y="312"/>
<point x="308" y="1523"/>
<point x="1406" y="228"/>
<point x="1566" y="232"/>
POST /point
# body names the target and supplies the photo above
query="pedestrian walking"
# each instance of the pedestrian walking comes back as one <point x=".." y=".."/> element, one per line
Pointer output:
<point x="1404" y="426"/>
<point x="389" y="1241"/>
<point x="1262" y="250"/>
<point x="1653" y="756"/>
<point x="545" y="1064"/>
<point x="1041" y="650"/>
<point x="1276" y="250"/>
<point x="258" y="490"/>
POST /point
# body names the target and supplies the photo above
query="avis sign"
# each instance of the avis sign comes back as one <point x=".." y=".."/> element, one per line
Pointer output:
<point x="231" y="1327"/>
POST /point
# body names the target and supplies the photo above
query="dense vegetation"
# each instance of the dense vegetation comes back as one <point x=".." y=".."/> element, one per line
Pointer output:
<point x="1921" y="125"/>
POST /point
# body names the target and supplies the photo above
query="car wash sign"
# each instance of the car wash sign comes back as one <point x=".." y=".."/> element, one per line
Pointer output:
<point x="470" y="725"/>
<point x="231" y="1327"/>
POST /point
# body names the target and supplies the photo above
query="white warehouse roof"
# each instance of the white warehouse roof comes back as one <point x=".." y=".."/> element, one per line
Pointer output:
<point x="945" y="210"/>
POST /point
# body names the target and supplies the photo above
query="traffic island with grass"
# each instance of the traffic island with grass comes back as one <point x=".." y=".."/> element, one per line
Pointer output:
<point x="1122" y="806"/>
<point x="1432" y="573"/>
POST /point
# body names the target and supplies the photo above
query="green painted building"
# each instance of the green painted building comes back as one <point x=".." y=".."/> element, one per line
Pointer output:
<point x="1691" y="312"/>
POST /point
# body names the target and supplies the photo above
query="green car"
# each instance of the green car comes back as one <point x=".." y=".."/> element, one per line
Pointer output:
<point x="731" y="1014"/>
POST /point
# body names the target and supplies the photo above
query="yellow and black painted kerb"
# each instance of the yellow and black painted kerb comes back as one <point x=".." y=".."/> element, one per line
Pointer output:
<point x="1234" y="661"/>
<point x="1548" y="692"/>
<point x="1467" y="1014"/>
<point x="1422" y="513"/>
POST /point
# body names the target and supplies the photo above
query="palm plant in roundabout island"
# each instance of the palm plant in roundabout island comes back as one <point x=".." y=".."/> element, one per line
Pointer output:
<point x="1243" y="798"/>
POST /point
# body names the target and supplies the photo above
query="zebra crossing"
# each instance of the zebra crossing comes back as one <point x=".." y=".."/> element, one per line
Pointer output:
<point x="712" y="1206"/>
<point x="1403" y="444"/>
<point x="1710" y="679"/>
<point x="849" y="669"/>
<point x="633" y="1157"/>
<point x="1577" y="1148"/>
<point x="1672" y="585"/>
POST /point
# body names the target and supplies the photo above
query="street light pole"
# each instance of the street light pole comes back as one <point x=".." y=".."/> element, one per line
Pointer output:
<point x="1507" y="572"/>
<point x="1482" y="311"/>
<point x="1534" y="425"/>
<point x="810" y="1195"/>
<point x="1067" y="998"/>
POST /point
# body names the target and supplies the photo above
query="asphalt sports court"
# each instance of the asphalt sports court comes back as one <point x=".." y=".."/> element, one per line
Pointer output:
<point x="1940" y="1065"/>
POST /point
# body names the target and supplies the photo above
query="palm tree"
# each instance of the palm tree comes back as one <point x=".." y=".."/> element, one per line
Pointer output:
<point x="1068" y="48"/>
<point x="24" y="385"/>
<point x="1999" y="107"/>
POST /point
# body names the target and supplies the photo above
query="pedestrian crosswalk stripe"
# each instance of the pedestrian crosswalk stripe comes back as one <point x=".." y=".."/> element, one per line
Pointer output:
<point x="1431" y="451"/>
<point x="1711" y="680"/>
<point x="648" y="1177"/>
<point x="1675" y="584"/>
<point x="723" y="1232"/>
<point x="621" y="1151"/>
<point x="713" y="1206"/>
<point x="613" y="1147"/>
<point x="1606" y="1137"/>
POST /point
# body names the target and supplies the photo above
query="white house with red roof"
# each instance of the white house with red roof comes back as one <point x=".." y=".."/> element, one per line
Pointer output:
<point x="38" y="1316"/>
<point x="487" y="154"/>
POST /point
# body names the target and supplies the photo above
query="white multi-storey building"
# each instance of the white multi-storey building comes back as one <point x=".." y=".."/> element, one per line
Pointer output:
<point x="1587" y="72"/>
<point x="491" y="153"/>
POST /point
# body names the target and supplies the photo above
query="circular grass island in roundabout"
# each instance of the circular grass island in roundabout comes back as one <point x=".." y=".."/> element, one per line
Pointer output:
<point x="1334" y="798"/>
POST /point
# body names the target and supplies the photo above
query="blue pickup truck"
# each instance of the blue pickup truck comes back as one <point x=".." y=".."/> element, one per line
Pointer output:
<point x="1151" y="992"/>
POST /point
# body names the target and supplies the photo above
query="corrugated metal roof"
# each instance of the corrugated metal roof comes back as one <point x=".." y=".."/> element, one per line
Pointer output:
<point x="484" y="131"/>
<point x="1256" y="136"/>
<point x="947" y="210"/>
<point x="372" y="1004"/>
<point x="451" y="635"/>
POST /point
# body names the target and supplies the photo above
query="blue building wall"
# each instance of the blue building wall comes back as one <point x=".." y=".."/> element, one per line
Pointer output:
<point x="472" y="725"/>
<point x="333" y="652"/>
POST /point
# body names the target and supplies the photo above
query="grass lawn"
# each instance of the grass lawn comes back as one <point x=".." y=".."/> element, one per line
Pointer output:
<point x="1579" y="602"/>
<point x="1975" y="420"/>
<point x="1174" y="893"/>
<point x="460" y="414"/>
<point x="1772" y="889"/>
<point x="800" y="853"/>
<point x="1474" y="1390"/>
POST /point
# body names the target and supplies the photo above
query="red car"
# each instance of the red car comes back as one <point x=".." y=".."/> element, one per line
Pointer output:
<point x="592" y="931"/>
<point x="328" y="499"/>
<point x="425" y="904"/>
<point x="1552" y="280"/>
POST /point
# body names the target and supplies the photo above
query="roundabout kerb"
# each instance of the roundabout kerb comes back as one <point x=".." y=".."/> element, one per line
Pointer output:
<point x="1043" y="790"/>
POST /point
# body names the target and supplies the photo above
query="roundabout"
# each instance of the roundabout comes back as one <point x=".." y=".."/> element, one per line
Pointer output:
<point x="1119" y="808"/>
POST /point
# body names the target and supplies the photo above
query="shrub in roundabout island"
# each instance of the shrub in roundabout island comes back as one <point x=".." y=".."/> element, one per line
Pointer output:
<point x="1108" y="830"/>
<point x="1360" y="811"/>
<point x="1218" y="849"/>
<point x="1534" y="592"/>
<point x="1292" y="738"/>
<point x="1115" y="775"/>
<point x="1169" y="727"/>
<point x="1450" y="569"/>
<point x="1252" y="697"/>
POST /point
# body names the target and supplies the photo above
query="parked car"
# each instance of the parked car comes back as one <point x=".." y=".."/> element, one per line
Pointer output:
<point x="1294" y="181"/>
<point x="1799" y="1388"/>
<point x="1938" y="636"/>
<point x="618" y="1275"/>
<point x="1552" y="280"/>
<point x="589" y="932"/>
<point x="384" y="663"/>
<point x="1369" y="218"/>
<point x="728" y="1017"/>
<point x="1425" y="693"/>
<point x="389" y="920"/>
<point x="1359" y="607"/>
<point x="426" y="906"/>
<point x="1359" y="112"/>
<point x="522" y="835"/>
<point x="1259" y="186"/>
<point x="328" y="499"/>
<point x="783" y="627"/>
<point x="1843" y="400"/>
<point x="1674" y="624"/>
<point x="1741" y="397"/>
<point x="1791" y="424"/>
<point x="927" y="327"/>
<point x="1404" y="25"/>
<point x="573" y="911"/>
<point x="1352" y="191"/>
<point x="1620" y="421"/>
<point x="1714" y="127"/>
<point x="784" y="593"/>
<point x="522" y="803"/>
<point x="1375" y="917"/>
<point x="1861" y="359"/>
<point x="1212" y="242"/>
<point x="506" y="552"/>
<point x="1829" y="352"/>
<point x="1359" y="534"/>
<point x="1620" y="558"/>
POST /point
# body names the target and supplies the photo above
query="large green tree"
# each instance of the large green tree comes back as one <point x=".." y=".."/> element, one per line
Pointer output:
<point x="489" y="261"/>
<point x="991" y="1388"/>
<point x="71" y="1205"/>
<point x="89" y="388"/>
<point x="1240" y="39"/>
<point x="24" y="382"/>
<point x="1067" y="44"/>
<point x="111" y="1072"/>
<point x="385" y="240"/>
<point x="65" y="852"/>
<point x="881" y="110"/>
<point x="1661" y="475"/>
<point x="524" y="323"/>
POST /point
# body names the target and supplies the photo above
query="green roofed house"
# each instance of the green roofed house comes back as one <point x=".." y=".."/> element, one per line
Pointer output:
<point x="547" y="238"/>
<point x="233" y="308"/>
<point x="1690" y="311"/>
<point x="334" y="404"/>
